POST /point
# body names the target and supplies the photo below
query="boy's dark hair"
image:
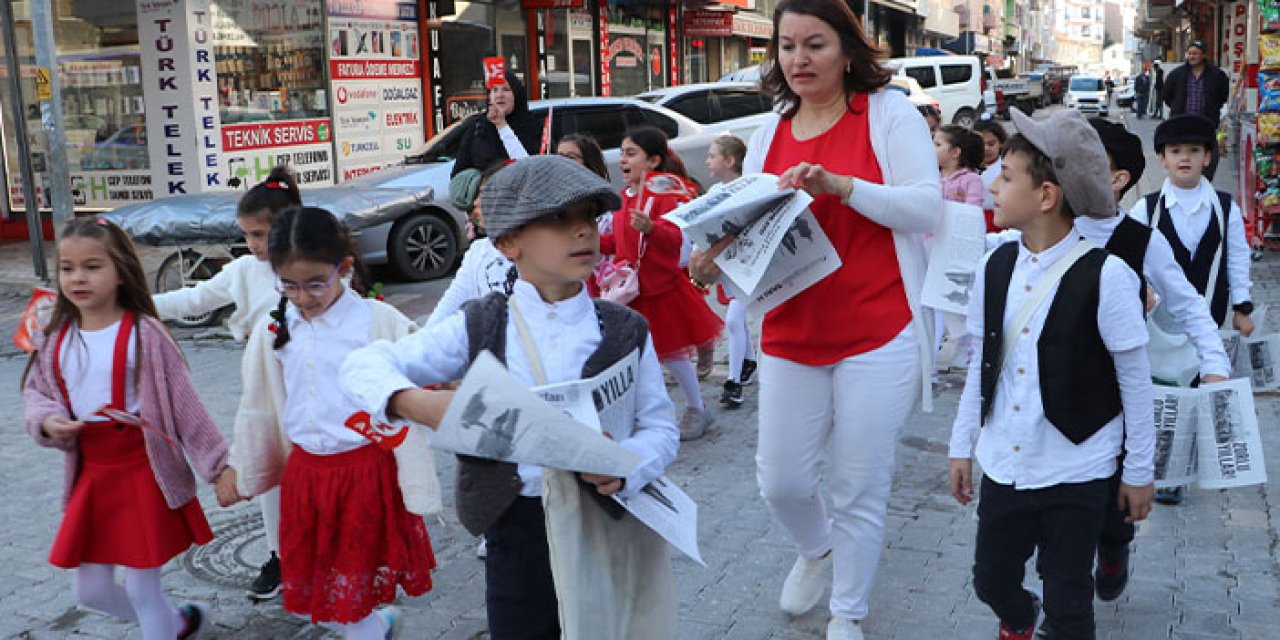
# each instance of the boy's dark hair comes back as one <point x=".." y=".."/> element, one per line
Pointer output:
<point x="277" y="192"/>
<point x="1039" y="166"/>
<point x="313" y="234"/>
<point x="994" y="128"/>
<point x="968" y="142"/>
<point x="1124" y="150"/>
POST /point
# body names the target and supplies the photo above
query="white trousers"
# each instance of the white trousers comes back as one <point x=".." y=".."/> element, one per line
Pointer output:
<point x="849" y="414"/>
<point x="269" y="505"/>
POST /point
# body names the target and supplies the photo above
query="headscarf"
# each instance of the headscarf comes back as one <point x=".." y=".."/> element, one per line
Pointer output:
<point x="481" y="147"/>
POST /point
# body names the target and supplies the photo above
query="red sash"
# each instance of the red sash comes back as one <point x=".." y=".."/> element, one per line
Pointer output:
<point x="119" y="363"/>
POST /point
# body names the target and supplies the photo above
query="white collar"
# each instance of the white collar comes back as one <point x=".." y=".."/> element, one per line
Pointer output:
<point x="334" y="316"/>
<point x="1190" y="200"/>
<point x="1051" y="255"/>
<point x="568" y="311"/>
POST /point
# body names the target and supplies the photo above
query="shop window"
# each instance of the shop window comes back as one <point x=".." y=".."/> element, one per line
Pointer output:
<point x="956" y="73"/>
<point x="924" y="75"/>
<point x="271" y="64"/>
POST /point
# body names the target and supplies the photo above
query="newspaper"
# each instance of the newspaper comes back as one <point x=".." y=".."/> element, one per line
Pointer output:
<point x="1208" y="435"/>
<point x="780" y="249"/>
<point x="957" y="249"/>
<point x="494" y="415"/>
<point x="607" y="402"/>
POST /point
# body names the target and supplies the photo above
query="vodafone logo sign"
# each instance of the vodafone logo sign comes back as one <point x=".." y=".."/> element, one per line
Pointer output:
<point x="356" y="95"/>
<point x="342" y="95"/>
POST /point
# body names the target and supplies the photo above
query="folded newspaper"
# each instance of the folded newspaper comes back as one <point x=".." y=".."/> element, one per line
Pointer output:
<point x="779" y="250"/>
<point x="1208" y="435"/>
<point x="1256" y="357"/>
<point x="955" y="251"/>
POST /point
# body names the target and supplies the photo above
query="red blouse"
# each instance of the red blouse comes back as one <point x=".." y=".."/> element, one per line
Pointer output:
<point x="863" y="305"/>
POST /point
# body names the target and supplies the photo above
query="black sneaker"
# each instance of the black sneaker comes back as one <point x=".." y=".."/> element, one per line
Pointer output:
<point x="748" y="374"/>
<point x="732" y="396"/>
<point x="1170" y="496"/>
<point x="267" y="585"/>
<point x="1112" y="572"/>
<point x="195" y="618"/>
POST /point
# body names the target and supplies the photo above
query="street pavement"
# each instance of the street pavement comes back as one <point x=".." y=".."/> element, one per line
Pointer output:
<point x="1207" y="569"/>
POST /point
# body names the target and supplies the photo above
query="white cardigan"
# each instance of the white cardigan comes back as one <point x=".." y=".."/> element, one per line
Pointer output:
<point x="246" y="282"/>
<point x="909" y="202"/>
<point x="259" y="448"/>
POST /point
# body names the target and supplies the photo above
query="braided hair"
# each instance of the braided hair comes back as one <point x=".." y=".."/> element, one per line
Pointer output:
<point x="313" y="234"/>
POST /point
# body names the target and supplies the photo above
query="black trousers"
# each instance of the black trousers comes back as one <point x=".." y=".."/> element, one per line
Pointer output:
<point x="1115" y="531"/>
<point x="1062" y="523"/>
<point x="520" y="596"/>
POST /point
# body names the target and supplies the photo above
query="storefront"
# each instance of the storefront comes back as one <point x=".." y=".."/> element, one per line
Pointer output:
<point x="165" y="98"/>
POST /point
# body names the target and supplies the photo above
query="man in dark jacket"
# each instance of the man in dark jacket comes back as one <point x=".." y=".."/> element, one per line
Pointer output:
<point x="1141" y="90"/>
<point x="1157" y="85"/>
<point x="1198" y="87"/>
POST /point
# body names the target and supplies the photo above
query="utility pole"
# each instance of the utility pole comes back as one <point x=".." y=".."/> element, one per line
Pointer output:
<point x="59" y="188"/>
<point x="19" y="112"/>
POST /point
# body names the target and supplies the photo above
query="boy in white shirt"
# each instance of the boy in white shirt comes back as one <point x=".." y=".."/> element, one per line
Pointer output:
<point x="541" y="213"/>
<point x="1058" y="384"/>
<point x="1189" y="212"/>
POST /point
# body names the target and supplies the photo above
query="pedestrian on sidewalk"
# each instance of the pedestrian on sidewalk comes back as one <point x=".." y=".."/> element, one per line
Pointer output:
<point x="724" y="163"/>
<point x="1157" y="87"/>
<point x="1047" y="405"/>
<point x="1141" y="92"/>
<point x="1198" y="88"/>
<point x="612" y="577"/>
<point x="351" y="528"/>
<point x="678" y="314"/>
<point x="248" y="284"/>
<point x="845" y="360"/>
<point x="109" y="387"/>
<point x="1204" y="226"/>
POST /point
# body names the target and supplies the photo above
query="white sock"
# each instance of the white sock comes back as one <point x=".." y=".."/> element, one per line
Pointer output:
<point x="735" y="321"/>
<point x="686" y="376"/>
<point x="96" y="588"/>
<point x="157" y="617"/>
<point x="372" y="627"/>
<point x="269" y="504"/>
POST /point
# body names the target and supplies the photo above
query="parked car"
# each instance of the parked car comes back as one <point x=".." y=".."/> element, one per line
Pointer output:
<point x="1124" y="95"/>
<point x="957" y="82"/>
<point x="1087" y="94"/>
<point x="925" y="103"/>
<point x="746" y="74"/>
<point x="606" y="120"/>
<point x="396" y="219"/>
<point x="712" y="102"/>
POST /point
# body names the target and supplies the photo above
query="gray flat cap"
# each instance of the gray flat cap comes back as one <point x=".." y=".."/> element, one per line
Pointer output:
<point x="537" y="186"/>
<point x="1079" y="159"/>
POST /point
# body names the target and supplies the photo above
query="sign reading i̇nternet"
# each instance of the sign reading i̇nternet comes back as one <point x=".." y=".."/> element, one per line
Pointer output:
<point x="180" y="90"/>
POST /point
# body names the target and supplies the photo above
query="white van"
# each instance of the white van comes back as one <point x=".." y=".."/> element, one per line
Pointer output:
<point x="957" y="82"/>
<point x="1087" y="94"/>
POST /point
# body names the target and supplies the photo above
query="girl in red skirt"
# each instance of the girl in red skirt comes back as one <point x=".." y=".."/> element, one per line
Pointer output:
<point x="109" y="387"/>
<point x="678" y="315"/>
<point x="346" y="530"/>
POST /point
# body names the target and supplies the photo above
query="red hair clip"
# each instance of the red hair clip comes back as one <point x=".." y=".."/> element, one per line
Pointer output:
<point x="276" y="184"/>
<point x="101" y="221"/>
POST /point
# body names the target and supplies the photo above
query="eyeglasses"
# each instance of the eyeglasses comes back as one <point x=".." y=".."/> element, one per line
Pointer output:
<point x="572" y="155"/>
<point x="313" y="288"/>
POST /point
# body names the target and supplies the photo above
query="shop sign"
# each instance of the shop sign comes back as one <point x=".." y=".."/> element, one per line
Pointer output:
<point x="551" y="4"/>
<point x="1235" y="40"/>
<point x="673" y="42"/>
<point x="752" y="27"/>
<point x="606" y="81"/>
<point x="374" y="62"/>
<point x="180" y="90"/>
<point x="625" y="52"/>
<point x="252" y="150"/>
<point x="708" y="24"/>
<point x="461" y="107"/>
<point x="433" y="65"/>
<point x="94" y="189"/>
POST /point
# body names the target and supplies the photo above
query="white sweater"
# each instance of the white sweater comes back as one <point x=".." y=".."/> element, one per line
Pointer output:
<point x="246" y="282"/>
<point x="484" y="270"/>
<point x="909" y="202"/>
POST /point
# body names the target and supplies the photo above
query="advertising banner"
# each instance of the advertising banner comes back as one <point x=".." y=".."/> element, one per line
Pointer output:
<point x="374" y="63"/>
<point x="252" y="150"/>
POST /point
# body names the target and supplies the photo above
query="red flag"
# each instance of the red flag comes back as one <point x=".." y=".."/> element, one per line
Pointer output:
<point x="495" y="72"/>
<point x="31" y="322"/>
<point x="384" y="435"/>
<point x="546" y="133"/>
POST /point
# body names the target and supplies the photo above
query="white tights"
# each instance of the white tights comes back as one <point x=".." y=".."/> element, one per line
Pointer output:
<point x="372" y="627"/>
<point x="140" y="599"/>
<point x="686" y="376"/>
<point x="269" y="504"/>
<point x="740" y="347"/>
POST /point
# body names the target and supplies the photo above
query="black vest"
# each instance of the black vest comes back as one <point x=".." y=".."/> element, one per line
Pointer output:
<point x="1197" y="267"/>
<point x="1129" y="242"/>
<point x="1078" y="384"/>
<point x="486" y="488"/>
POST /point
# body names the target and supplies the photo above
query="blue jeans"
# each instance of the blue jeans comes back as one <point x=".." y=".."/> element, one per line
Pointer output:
<point x="1140" y="104"/>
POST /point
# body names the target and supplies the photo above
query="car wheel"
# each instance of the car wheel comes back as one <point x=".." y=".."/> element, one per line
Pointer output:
<point x="964" y="118"/>
<point x="185" y="268"/>
<point x="423" y="247"/>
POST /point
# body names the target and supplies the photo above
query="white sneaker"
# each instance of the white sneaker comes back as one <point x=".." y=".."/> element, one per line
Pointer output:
<point x="482" y="549"/>
<point x="695" y="423"/>
<point x="805" y="585"/>
<point x="393" y="619"/>
<point x="843" y="629"/>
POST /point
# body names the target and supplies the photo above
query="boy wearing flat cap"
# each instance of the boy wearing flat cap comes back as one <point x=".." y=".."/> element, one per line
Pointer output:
<point x="1059" y="383"/>
<point x="541" y="213"/>
<point x="1204" y="227"/>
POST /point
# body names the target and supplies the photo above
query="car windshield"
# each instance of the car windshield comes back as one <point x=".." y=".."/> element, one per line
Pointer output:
<point x="1087" y="84"/>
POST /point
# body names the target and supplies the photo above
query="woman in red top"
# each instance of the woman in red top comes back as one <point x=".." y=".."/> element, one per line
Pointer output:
<point x="678" y="315"/>
<point x="844" y="360"/>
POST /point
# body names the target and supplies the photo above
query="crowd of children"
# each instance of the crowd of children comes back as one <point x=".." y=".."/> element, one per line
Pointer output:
<point x="1056" y="405"/>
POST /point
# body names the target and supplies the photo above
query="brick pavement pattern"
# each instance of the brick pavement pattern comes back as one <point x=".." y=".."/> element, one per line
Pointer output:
<point x="1207" y="569"/>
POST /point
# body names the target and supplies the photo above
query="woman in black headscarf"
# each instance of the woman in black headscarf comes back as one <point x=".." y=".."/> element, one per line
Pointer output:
<point x="505" y="131"/>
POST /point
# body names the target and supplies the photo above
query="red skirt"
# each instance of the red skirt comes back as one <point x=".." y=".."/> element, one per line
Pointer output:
<point x="679" y="320"/>
<point x="346" y="540"/>
<point x="116" y="513"/>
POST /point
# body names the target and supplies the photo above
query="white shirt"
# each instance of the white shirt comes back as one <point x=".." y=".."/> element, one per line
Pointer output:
<point x="87" y="359"/>
<point x="566" y="333"/>
<point x="511" y="142"/>
<point x="246" y="282"/>
<point x="483" y="270"/>
<point x="989" y="176"/>
<point x="1190" y="210"/>
<point x="315" y="408"/>
<point x="1018" y="445"/>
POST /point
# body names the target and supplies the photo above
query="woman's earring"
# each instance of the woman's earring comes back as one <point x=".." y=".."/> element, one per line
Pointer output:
<point x="848" y="67"/>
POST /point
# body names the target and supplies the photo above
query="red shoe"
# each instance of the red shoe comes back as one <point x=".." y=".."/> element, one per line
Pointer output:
<point x="1009" y="633"/>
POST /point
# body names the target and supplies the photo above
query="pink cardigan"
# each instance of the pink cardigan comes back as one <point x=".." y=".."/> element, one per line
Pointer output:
<point x="167" y="400"/>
